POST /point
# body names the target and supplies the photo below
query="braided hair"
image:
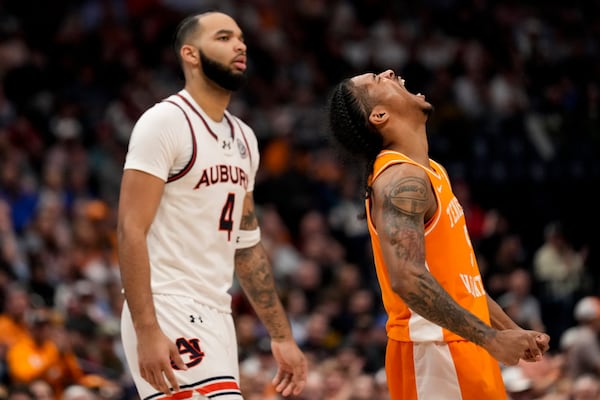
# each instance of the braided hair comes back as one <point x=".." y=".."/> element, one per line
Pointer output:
<point x="349" y="109"/>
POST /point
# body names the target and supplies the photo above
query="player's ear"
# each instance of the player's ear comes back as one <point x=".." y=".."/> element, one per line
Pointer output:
<point x="189" y="54"/>
<point x="378" y="116"/>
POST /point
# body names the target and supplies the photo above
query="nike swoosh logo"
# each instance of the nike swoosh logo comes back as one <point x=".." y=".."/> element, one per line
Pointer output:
<point x="439" y="188"/>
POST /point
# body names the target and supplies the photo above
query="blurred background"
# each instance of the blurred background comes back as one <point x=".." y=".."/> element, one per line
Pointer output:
<point x="516" y="90"/>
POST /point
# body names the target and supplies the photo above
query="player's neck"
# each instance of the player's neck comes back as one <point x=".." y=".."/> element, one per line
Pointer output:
<point x="408" y="140"/>
<point x="415" y="151"/>
<point x="212" y="99"/>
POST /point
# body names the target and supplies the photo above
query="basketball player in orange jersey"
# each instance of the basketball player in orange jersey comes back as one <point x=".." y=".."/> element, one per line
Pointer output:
<point x="186" y="224"/>
<point x="446" y="337"/>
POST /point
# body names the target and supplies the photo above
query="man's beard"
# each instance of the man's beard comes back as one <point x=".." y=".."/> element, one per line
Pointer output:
<point x="220" y="75"/>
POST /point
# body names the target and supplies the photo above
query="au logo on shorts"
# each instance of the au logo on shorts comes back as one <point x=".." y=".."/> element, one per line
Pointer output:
<point x="190" y="350"/>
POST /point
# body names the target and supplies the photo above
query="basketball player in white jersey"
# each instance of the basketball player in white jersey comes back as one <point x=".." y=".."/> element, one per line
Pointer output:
<point x="186" y="224"/>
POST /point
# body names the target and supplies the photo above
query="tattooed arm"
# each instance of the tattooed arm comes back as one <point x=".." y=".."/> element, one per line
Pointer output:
<point x="254" y="273"/>
<point x="255" y="276"/>
<point x="402" y="201"/>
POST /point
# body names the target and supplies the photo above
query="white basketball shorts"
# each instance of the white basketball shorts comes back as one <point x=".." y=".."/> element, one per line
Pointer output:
<point x="206" y="341"/>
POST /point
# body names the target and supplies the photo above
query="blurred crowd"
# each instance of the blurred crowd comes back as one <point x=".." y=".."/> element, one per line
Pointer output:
<point x="517" y="95"/>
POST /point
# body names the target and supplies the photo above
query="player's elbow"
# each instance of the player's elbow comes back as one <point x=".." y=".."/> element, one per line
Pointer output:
<point x="128" y="230"/>
<point x="404" y="280"/>
<point x="123" y="230"/>
<point x="399" y="285"/>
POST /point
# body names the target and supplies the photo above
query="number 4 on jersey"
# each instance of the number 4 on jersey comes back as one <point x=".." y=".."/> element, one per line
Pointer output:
<point x="226" y="219"/>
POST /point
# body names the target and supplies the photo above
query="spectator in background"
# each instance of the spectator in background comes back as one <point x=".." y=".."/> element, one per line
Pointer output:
<point x="508" y="257"/>
<point x="317" y="243"/>
<point x="337" y="380"/>
<point x="12" y="257"/>
<point x="17" y="190"/>
<point x="346" y="224"/>
<point x="278" y="244"/>
<point x="315" y="385"/>
<point x="308" y="278"/>
<point x="108" y="361"/>
<point x="559" y="270"/>
<point x="78" y="392"/>
<point x="257" y="371"/>
<point x="44" y="354"/>
<point x="42" y="390"/>
<point x="547" y="376"/>
<point x="586" y="387"/>
<point x="20" y="392"/>
<point x="13" y="323"/>
<point x="518" y="386"/>
<point x="581" y="343"/>
<point x="475" y="215"/>
<point x="519" y="302"/>
<point x="496" y="226"/>
<point x="295" y="303"/>
<point x="368" y="339"/>
<point x="319" y="340"/>
<point x="364" y="388"/>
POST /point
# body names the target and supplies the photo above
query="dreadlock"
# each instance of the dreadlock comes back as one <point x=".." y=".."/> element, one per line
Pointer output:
<point x="349" y="109"/>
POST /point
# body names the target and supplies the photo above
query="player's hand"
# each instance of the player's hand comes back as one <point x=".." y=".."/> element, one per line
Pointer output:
<point x="155" y="352"/>
<point x="510" y="345"/>
<point x="292" y="367"/>
<point x="543" y="343"/>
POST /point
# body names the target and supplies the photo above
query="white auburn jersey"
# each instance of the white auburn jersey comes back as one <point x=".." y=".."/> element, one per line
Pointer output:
<point x="208" y="167"/>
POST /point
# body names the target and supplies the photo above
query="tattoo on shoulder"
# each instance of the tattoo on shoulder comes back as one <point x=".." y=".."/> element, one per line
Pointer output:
<point x="408" y="195"/>
<point x="404" y="203"/>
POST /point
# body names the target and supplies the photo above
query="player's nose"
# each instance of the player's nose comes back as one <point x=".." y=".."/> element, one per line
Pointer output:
<point x="240" y="46"/>
<point x="389" y="74"/>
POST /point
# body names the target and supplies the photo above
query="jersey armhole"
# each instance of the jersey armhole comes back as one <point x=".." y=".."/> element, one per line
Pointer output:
<point x="192" y="159"/>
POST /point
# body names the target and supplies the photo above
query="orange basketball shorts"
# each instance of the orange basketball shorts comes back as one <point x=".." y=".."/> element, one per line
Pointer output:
<point x="438" y="371"/>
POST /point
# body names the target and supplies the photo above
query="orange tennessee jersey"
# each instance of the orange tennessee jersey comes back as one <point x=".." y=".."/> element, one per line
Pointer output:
<point x="448" y="253"/>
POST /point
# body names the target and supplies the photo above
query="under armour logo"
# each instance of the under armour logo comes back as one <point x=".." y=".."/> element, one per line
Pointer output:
<point x="226" y="144"/>
<point x="193" y="319"/>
